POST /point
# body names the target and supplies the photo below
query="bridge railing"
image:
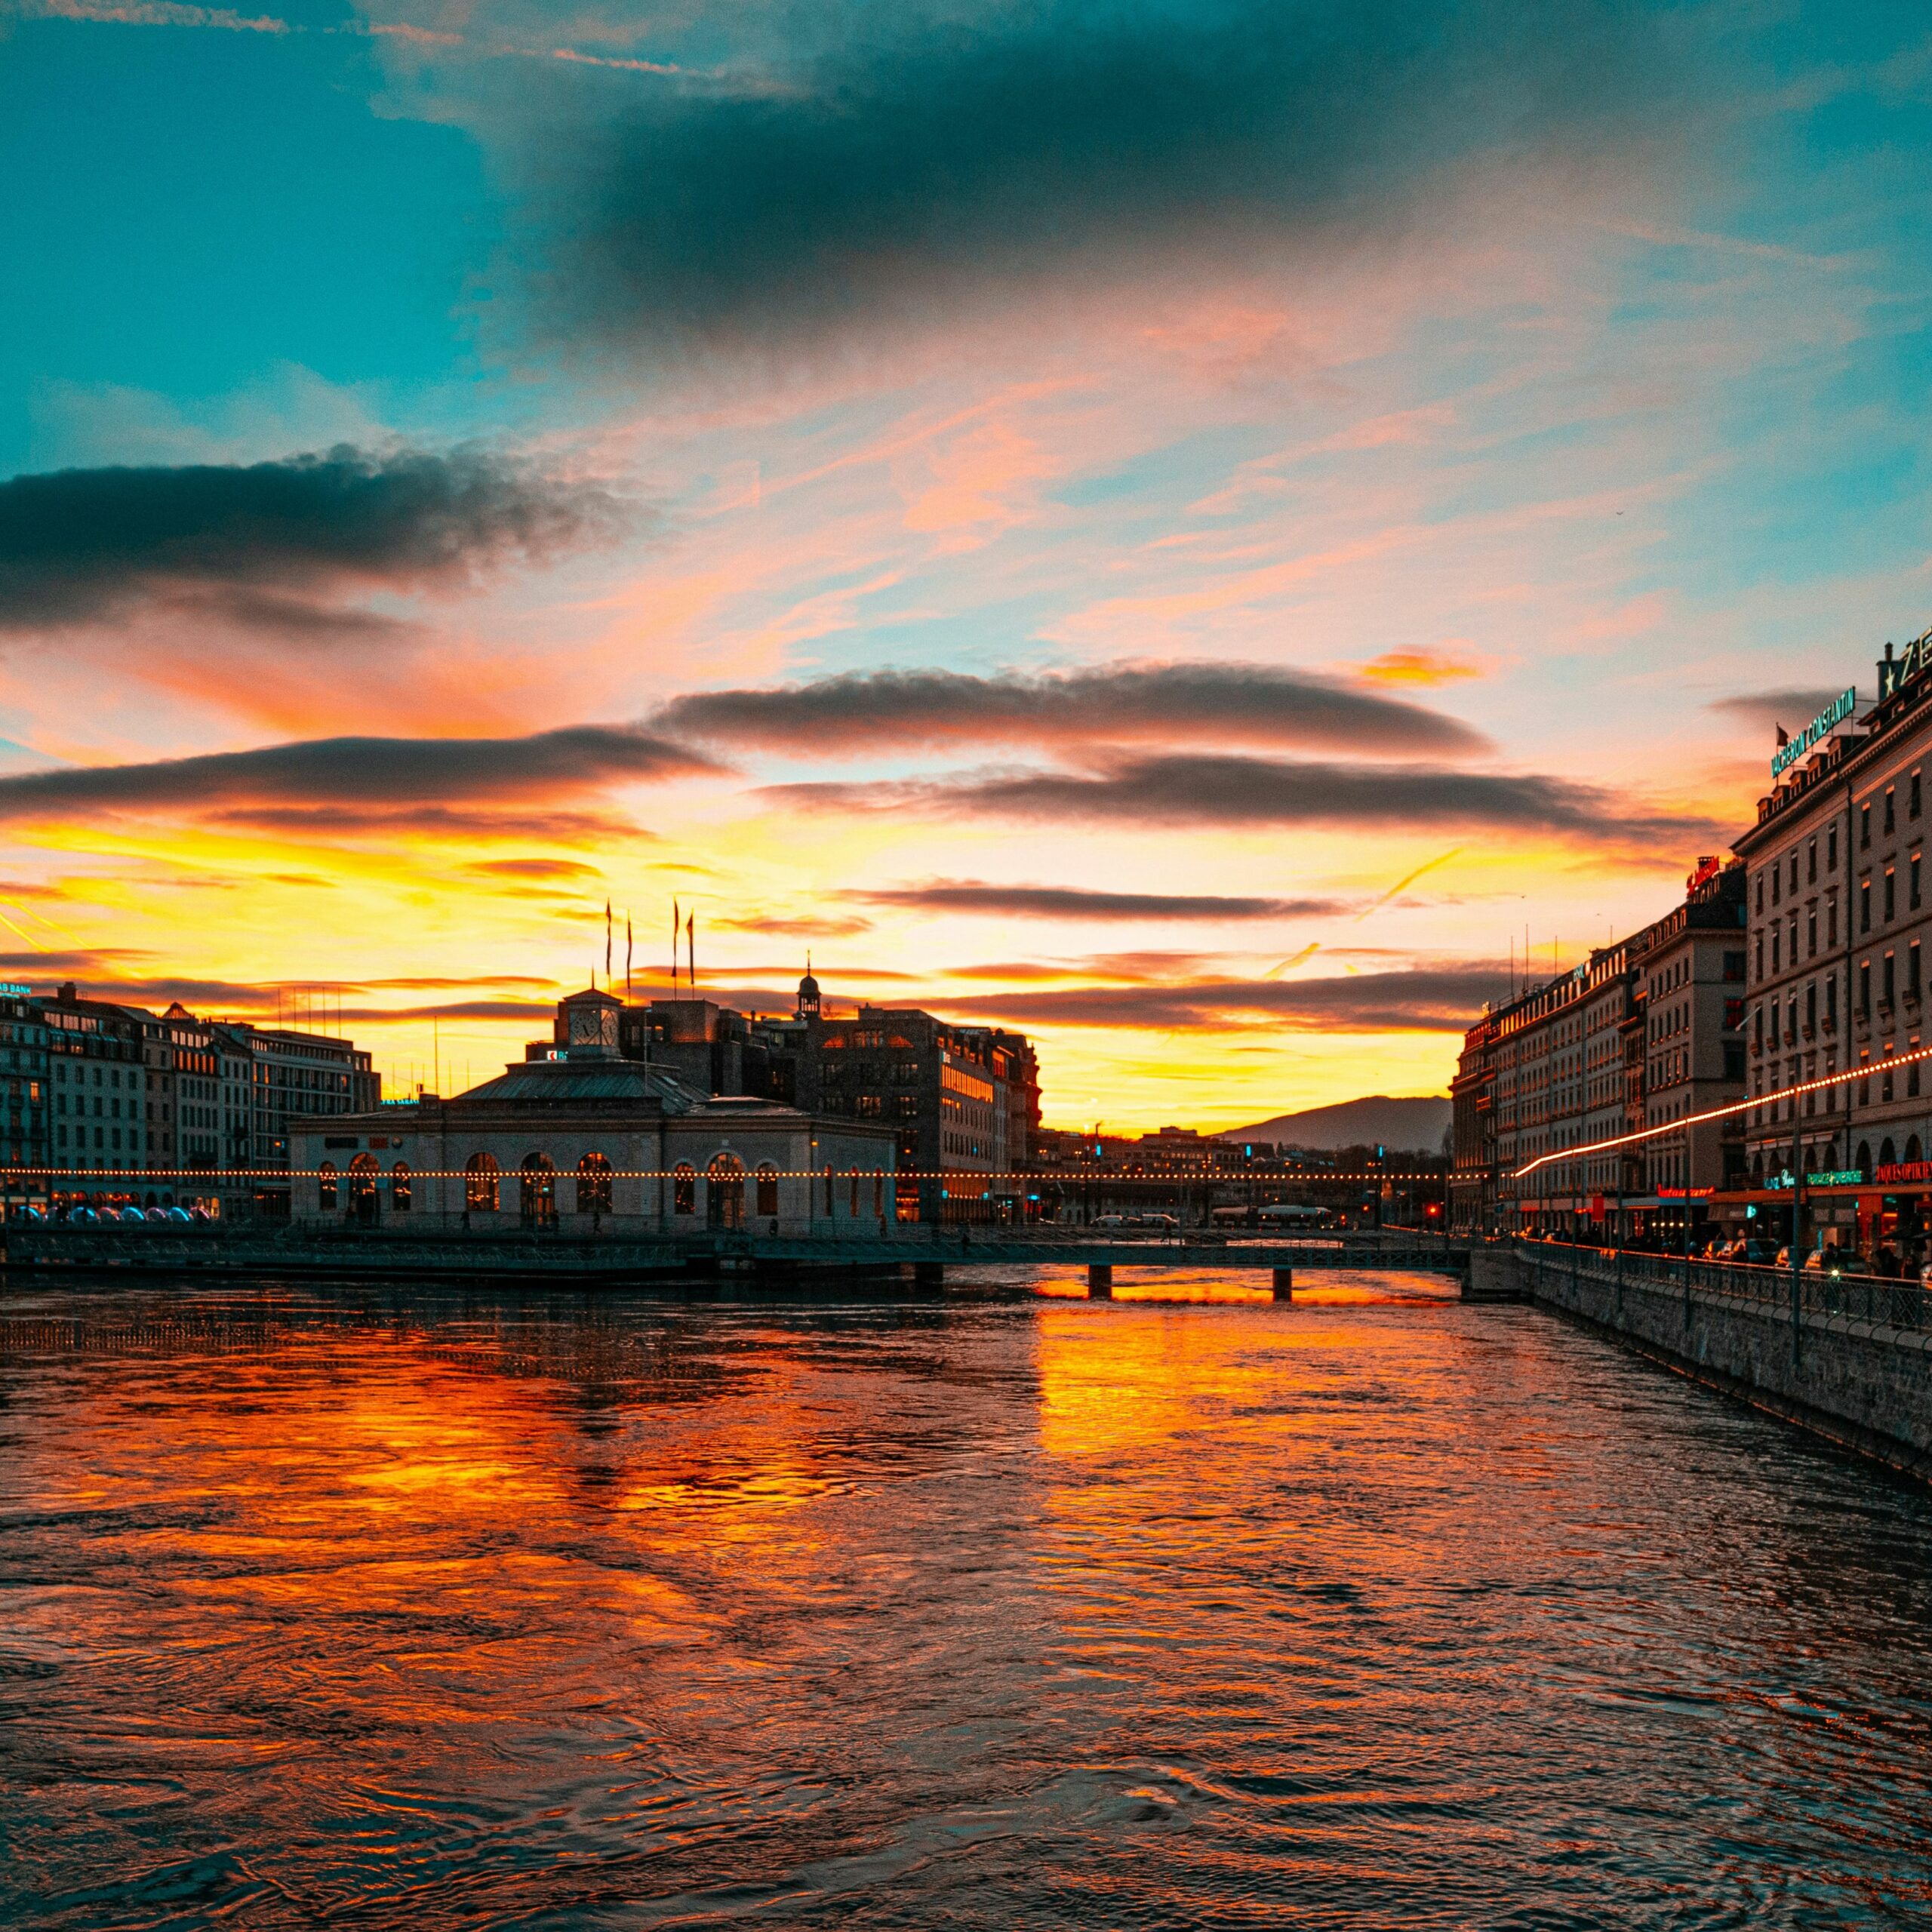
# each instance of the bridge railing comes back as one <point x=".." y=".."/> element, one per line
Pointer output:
<point x="1859" y="1297"/>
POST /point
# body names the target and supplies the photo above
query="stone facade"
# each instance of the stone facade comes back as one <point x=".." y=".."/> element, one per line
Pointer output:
<point x="587" y="1142"/>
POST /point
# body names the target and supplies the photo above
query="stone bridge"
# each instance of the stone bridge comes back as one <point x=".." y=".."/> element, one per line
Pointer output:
<point x="928" y="1252"/>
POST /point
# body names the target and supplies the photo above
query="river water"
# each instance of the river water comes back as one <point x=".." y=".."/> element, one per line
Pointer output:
<point x="1375" y="1611"/>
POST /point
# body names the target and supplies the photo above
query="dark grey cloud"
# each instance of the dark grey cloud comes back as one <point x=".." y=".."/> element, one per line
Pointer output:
<point x="1066" y="902"/>
<point x="462" y="1009"/>
<point x="1765" y="710"/>
<point x="1424" y="999"/>
<point x="35" y="968"/>
<point x="1227" y="790"/>
<point x="381" y="824"/>
<point x="351" y="772"/>
<point x="101" y="982"/>
<point x="441" y="982"/>
<point x="899" y="711"/>
<point x="1136" y="968"/>
<point x="533" y="868"/>
<point x="827" y="927"/>
<point x="926" y="158"/>
<point x="276" y="545"/>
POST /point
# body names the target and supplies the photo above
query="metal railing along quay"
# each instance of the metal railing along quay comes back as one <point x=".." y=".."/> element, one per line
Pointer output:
<point x="1799" y="1292"/>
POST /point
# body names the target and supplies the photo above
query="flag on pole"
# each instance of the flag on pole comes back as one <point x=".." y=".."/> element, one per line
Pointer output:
<point x="627" y="955"/>
<point x="677" y="921"/>
<point x="690" y="941"/>
<point x="607" y="942"/>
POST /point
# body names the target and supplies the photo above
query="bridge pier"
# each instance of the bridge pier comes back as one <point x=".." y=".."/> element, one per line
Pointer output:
<point x="1284" y="1285"/>
<point x="1100" y="1282"/>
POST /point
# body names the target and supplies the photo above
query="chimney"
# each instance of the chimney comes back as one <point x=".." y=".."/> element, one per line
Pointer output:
<point x="67" y="990"/>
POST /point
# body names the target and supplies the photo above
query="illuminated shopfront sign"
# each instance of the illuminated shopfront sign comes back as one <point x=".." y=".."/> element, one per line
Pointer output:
<point x="1834" y="714"/>
<point x="1888" y="1172"/>
<point x="1830" y="1177"/>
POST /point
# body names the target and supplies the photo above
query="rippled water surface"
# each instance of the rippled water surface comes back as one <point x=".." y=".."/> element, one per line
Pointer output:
<point x="1371" y="1611"/>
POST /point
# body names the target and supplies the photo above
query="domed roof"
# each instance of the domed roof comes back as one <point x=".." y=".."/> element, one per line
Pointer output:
<point x="808" y="988"/>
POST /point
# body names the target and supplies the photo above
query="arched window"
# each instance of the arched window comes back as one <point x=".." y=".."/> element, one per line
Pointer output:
<point x="399" y="1189"/>
<point x="593" y="1185"/>
<point x="362" y="1172"/>
<point x="479" y="1183"/>
<point x="768" y="1189"/>
<point x="1912" y="1150"/>
<point x="684" y="1188"/>
<point x="537" y="1196"/>
<point x="879" y="1196"/>
<point x="853" y="1209"/>
<point x="1865" y="1160"/>
<point x="1886" y="1156"/>
<point x="724" y="1191"/>
<point x="325" y="1186"/>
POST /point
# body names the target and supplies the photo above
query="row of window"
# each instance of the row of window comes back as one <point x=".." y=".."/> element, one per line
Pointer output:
<point x="1786" y="864"/>
<point x="537" y="1177"/>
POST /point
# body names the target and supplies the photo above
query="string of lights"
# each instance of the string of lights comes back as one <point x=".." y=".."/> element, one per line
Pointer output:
<point x="102" y="1177"/>
<point x="1824" y="1080"/>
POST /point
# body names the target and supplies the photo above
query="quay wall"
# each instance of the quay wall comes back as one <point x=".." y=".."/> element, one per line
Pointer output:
<point x="1849" y="1374"/>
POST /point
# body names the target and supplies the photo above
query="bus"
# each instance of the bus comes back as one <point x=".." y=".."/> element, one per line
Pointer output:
<point x="1288" y="1214"/>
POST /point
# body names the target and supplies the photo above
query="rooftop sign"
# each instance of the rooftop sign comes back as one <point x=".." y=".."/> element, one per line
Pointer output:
<point x="1836" y="712"/>
<point x="1894" y="672"/>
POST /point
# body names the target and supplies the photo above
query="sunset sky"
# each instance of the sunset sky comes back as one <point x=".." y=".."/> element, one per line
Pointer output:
<point x="1183" y="528"/>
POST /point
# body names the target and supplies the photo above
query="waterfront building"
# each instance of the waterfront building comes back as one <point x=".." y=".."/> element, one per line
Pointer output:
<point x="183" y="1114"/>
<point x="97" y="1082"/>
<point x="1689" y="1015"/>
<point x="294" y="1077"/>
<point x="28" y="1114"/>
<point x="1839" y="926"/>
<point x="943" y="1090"/>
<point x="1643" y="1033"/>
<point x="560" y="1139"/>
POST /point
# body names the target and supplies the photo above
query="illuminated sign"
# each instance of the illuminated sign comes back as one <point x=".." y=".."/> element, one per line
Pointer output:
<point x="1835" y="1177"/>
<point x="1888" y="1171"/>
<point x="14" y="987"/>
<point x="1836" y="712"/>
<point x="1849" y="1177"/>
<point x="1707" y="870"/>
<point x="1679" y="1193"/>
<point x="1894" y="672"/>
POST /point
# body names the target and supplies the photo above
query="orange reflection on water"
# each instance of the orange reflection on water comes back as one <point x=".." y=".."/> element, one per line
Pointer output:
<point x="1026" y="1612"/>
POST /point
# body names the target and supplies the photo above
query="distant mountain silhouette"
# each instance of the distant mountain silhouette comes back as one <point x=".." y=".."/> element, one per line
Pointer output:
<point x="1414" y="1122"/>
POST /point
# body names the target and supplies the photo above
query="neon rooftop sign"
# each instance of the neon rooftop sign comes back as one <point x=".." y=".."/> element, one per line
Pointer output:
<point x="1835" y="713"/>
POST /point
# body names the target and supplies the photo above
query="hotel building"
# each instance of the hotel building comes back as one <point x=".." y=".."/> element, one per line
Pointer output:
<point x="1839" y="927"/>
<point x="1643" y="1032"/>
